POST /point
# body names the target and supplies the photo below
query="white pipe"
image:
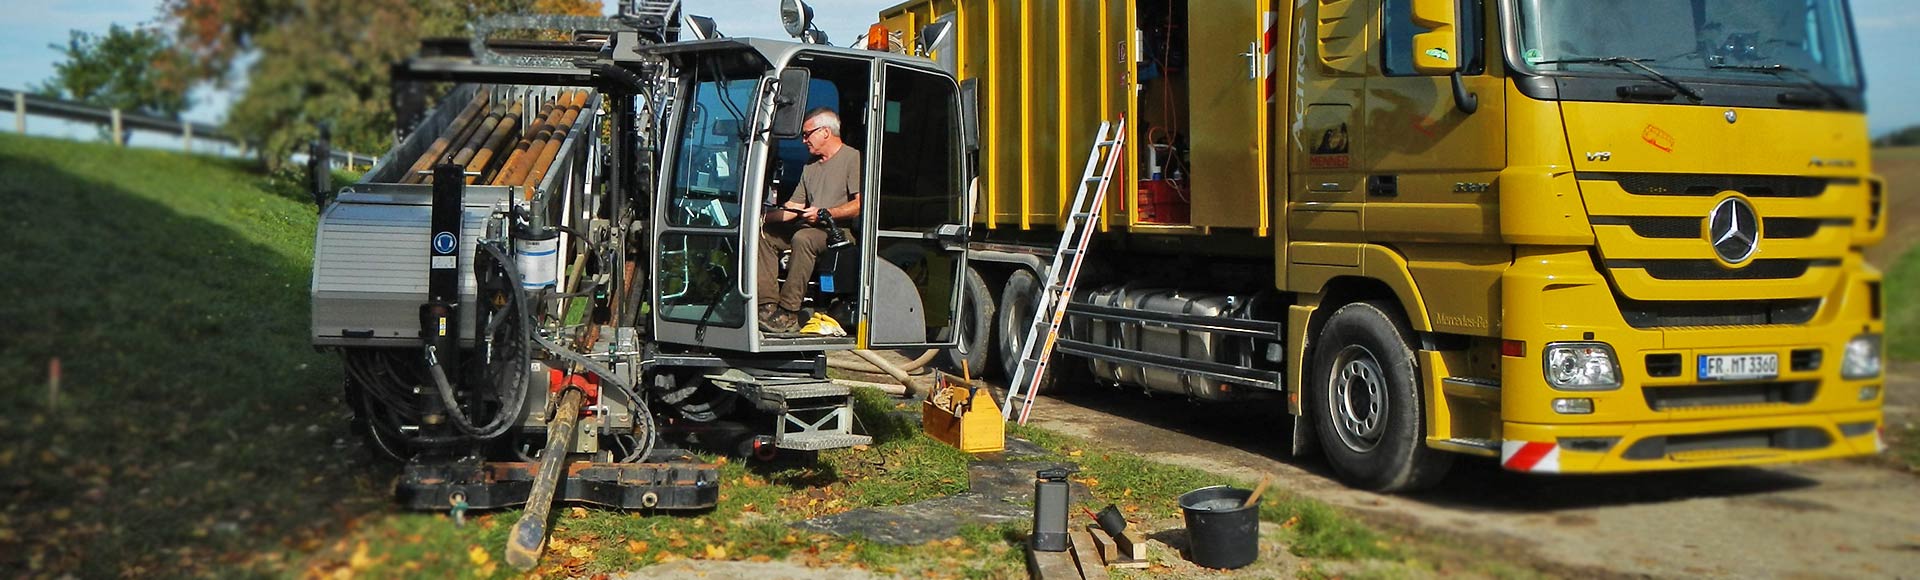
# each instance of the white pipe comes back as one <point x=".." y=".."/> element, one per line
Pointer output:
<point x="911" y="366"/>
<point x="895" y="390"/>
<point x="894" y="371"/>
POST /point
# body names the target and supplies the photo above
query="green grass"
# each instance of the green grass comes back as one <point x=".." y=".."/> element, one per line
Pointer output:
<point x="1903" y="308"/>
<point x="199" y="434"/>
<point x="195" y="426"/>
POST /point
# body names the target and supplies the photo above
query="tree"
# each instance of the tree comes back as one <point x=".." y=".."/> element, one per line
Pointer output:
<point x="1908" y="137"/>
<point x="131" y="69"/>
<point x="315" y="61"/>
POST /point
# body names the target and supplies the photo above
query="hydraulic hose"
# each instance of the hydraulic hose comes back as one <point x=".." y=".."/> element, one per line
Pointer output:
<point x="514" y="400"/>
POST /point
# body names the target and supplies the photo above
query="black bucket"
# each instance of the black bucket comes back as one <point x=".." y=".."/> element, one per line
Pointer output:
<point x="1220" y="532"/>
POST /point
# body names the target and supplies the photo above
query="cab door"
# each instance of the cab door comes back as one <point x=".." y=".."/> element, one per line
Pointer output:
<point x="919" y="210"/>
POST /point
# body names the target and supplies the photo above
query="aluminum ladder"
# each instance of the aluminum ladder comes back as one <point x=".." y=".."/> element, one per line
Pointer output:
<point x="1056" y="290"/>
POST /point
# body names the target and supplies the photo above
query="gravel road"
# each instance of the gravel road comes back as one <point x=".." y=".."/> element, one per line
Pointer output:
<point x="1836" y="519"/>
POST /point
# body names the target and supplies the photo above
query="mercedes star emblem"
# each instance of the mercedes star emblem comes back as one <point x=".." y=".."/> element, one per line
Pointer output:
<point x="1734" y="230"/>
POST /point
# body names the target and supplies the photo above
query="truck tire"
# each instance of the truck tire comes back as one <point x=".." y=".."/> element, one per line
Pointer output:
<point x="975" y="327"/>
<point x="1018" y="298"/>
<point x="1366" y="397"/>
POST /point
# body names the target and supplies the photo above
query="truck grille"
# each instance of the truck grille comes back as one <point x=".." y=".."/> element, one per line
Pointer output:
<point x="1710" y="185"/>
<point x="1710" y="270"/>
<point x="1682" y="228"/>
<point x="1789" y="439"/>
<point x="1695" y="397"/>
<point x="1666" y="314"/>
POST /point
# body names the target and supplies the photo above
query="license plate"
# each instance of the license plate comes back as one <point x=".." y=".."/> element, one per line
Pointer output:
<point x="1734" y="367"/>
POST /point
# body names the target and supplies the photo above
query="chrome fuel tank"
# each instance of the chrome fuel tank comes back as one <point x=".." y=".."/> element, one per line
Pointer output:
<point x="1163" y="340"/>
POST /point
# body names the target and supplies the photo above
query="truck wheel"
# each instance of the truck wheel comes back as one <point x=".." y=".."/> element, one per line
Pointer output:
<point x="975" y="327"/>
<point x="1367" y="402"/>
<point x="1017" y="299"/>
<point x="1017" y="302"/>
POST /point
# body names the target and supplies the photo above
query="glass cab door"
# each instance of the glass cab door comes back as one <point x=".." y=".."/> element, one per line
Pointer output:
<point x="919" y="210"/>
<point x="702" y="296"/>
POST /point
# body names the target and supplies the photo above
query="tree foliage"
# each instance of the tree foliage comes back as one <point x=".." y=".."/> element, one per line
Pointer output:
<point x="310" y="61"/>
<point x="134" y="69"/>
<point x="1908" y="137"/>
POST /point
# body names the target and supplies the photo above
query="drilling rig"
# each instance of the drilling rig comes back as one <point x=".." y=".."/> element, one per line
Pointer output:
<point x="545" y="292"/>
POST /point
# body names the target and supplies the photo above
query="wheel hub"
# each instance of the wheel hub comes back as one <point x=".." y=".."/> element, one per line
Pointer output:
<point x="1358" y="403"/>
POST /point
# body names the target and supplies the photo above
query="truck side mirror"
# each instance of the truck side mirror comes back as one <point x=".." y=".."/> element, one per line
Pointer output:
<point x="790" y="103"/>
<point x="1436" y="51"/>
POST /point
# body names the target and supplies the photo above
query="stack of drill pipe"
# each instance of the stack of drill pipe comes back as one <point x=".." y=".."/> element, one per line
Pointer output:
<point x="495" y="140"/>
<point x="477" y="137"/>
<point x="546" y="158"/>
<point x="540" y="144"/>
<point x="447" y="137"/>
<point x="498" y="177"/>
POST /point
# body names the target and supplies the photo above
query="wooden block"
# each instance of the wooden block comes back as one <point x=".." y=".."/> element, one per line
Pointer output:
<point x="1051" y="565"/>
<point x="1132" y="546"/>
<point x="1111" y="553"/>
<point x="1088" y="557"/>
<point x="1101" y="544"/>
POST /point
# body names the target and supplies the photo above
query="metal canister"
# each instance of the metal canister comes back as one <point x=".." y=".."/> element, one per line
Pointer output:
<point x="1050" y="501"/>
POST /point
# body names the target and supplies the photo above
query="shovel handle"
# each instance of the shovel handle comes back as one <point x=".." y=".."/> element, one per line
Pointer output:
<point x="1253" y="500"/>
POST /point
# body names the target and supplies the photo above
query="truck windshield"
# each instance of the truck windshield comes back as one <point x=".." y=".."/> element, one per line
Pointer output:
<point x="1727" y="41"/>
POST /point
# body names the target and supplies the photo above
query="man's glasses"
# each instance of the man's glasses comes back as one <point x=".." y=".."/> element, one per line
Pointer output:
<point x="808" y="134"/>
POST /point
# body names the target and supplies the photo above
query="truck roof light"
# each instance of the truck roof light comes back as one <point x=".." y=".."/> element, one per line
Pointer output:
<point x="877" y="38"/>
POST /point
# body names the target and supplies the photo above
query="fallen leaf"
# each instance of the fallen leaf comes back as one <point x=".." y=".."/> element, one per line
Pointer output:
<point x="636" y="547"/>
<point x="557" y="543"/>
<point x="1291" y="522"/>
<point x="678" y="542"/>
<point x="488" y="570"/>
<point x="580" y="551"/>
<point x="478" y="556"/>
<point x="760" y="558"/>
<point x="359" y="560"/>
<point x="1075" y="453"/>
<point x="667" y="557"/>
<point x="716" y="552"/>
<point x="790" y="540"/>
<point x="720" y="461"/>
<point x="861" y="447"/>
<point x="577" y="512"/>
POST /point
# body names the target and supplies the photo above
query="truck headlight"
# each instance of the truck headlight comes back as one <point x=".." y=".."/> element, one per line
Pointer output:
<point x="1582" y="366"/>
<point x="1862" y="359"/>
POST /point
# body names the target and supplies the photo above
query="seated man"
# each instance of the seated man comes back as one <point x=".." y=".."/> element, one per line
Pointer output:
<point x="829" y="185"/>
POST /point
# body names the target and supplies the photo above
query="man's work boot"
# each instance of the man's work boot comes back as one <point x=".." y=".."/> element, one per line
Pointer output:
<point x="778" y="320"/>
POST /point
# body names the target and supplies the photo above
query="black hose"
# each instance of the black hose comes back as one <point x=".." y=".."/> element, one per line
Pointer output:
<point x="515" y="398"/>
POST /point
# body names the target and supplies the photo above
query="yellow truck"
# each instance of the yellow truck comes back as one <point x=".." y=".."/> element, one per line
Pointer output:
<point x="1570" y="236"/>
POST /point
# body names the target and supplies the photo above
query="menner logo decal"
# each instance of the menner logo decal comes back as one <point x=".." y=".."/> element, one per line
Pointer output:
<point x="1599" y="156"/>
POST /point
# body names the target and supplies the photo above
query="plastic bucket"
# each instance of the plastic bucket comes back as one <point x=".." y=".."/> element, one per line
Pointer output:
<point x="1220" y="533"/>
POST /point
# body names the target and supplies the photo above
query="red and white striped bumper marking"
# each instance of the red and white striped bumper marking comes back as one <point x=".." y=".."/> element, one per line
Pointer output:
<point x="1531" y="457"/>
<point x="1268" y="39"/>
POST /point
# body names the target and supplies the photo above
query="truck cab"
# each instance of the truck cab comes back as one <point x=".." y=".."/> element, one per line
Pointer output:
<point x="740" y="104"/>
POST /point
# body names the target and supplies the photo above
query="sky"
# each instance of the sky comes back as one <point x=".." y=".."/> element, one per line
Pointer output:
<point x="1888" y="29"/>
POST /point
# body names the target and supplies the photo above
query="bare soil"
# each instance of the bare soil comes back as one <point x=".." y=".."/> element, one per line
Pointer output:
<point x="1828" y="519"/>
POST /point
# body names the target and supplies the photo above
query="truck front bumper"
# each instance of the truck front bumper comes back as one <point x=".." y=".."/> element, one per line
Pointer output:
<point x="1664" y="415"/>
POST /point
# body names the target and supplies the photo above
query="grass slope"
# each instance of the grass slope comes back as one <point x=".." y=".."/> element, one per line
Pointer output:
<point x="195" y="427"/>
<point x="197" y="433"/>
<point x="1899" y="255"/>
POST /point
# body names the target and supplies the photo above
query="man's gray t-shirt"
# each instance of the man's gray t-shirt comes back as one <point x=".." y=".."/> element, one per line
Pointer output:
<point x="830" y="183"/>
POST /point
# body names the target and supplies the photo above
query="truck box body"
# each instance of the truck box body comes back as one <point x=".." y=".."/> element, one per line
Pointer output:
<point x="1534" y="200"/>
